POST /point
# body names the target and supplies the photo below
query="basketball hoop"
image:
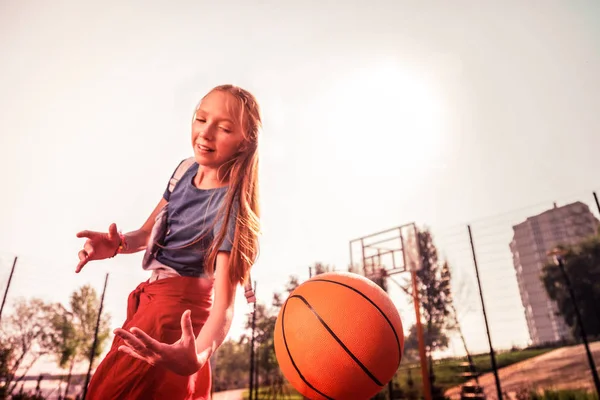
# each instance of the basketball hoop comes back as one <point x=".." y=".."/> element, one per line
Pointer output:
<point x="411" y="248"/>
<point x="398" y="249"/>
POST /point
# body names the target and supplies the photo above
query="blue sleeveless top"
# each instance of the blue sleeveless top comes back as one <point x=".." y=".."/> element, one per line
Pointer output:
<point x="191" y="214"/>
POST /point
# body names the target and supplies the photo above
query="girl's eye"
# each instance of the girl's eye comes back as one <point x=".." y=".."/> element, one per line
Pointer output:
<point x="226" y="130"/>
<point x="200" y="120"/>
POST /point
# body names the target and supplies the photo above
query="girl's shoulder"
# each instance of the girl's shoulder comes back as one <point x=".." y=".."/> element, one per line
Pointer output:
<point x="182" y="168"/>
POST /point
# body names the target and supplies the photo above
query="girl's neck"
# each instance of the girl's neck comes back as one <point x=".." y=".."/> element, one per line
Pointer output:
<point x="208" y="178"/>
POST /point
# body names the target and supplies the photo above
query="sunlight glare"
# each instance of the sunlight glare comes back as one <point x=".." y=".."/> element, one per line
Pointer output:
<point x="384" y="116"/>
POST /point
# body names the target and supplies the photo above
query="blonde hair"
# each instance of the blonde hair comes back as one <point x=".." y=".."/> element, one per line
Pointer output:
<point x="242" y="195"/>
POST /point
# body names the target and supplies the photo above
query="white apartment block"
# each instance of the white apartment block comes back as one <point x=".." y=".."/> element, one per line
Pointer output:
<point x="532" y="239"/>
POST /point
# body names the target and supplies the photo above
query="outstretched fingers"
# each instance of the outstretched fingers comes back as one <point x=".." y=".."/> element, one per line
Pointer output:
<point x="133" y="353"/>
<point x="83" y="259"/>
<point x="130" y="339"/>
<point x="138" y="340"/>
<point x="87" y="234"/>
<point x="85" y="255"/>
<point x="146" y="340"/>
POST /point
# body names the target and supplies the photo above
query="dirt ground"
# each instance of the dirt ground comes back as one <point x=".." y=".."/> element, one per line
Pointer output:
<point x="564" y="368"/>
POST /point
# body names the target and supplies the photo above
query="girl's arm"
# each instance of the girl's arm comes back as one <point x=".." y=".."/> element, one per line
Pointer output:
<point x="217" y="325"/>
<point x="189" y="353"/>
<point x="102" y="245"/>
<point x="138" y="240"/>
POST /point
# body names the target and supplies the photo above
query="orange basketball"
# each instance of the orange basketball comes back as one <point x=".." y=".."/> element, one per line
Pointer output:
<point x="338" y="336"/>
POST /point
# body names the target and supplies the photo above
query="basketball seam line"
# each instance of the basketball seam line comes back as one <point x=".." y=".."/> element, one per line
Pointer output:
<point x="374" y="305"/>
<point x="292" y="358"/>
<point x="337" y="339"/>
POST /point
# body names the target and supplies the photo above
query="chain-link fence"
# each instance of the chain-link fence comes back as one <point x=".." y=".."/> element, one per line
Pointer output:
<point x="510" y="252"/>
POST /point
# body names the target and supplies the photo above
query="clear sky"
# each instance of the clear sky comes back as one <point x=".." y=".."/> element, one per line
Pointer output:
<point x="376" y="114"/>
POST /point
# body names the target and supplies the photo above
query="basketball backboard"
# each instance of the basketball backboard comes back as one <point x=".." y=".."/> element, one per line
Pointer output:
<point x="387" y="252"/>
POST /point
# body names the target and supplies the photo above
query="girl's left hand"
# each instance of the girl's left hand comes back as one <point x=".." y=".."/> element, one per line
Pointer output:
<point x="180" y="357"/>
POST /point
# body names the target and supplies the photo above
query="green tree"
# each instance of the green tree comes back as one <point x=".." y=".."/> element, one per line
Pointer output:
<point x="411" y="343"/>
<point x="75" y="328"/>
<point x="6" y="357"/>
<point x="290" y="286"/>
<point x="26" y="336"/>
<point x="582" y="265"/>
<point x="265" y="360"/>
<point x="319" y="268"/>
<point x="434" y="291"/>
<point x="266" y="317"/>
<point x="435" y="297"/>
<point x="230" y="365"/>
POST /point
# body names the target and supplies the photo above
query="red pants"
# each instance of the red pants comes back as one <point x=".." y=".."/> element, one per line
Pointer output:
<point x="156" y="308"/>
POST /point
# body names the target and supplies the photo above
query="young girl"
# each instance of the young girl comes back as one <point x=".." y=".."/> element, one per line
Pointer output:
<point x="202" y="236"/>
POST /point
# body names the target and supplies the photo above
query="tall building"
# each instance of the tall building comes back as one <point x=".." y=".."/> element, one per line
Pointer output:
<point x="532" y="239"/>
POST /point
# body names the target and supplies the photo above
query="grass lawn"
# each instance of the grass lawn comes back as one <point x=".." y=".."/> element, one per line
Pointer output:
<point x="447" y="371"/>
<point x="266" y="393"/>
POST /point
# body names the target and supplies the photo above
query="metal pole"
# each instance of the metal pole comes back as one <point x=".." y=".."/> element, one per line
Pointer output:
<point x="391" y="382"/>
<point x="487" y="328"/>
<point x="213" y="375"/>
<point x="351" y="258"/>
<point x="597" y="202"/>
<point x="12" y="271"/>
<point x="251" y="392"/>
<point x="561" y="266"/>
<point x="364" y="260"/>
<point x="422" y="354"/>
<point x="93" y="350"/>
<point x="256" y="375"/>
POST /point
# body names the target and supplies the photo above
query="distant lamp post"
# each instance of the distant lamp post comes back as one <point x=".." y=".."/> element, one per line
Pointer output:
<point x="558" y="255"/>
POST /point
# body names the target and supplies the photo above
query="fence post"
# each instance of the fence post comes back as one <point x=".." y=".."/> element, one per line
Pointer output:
<point x="7" y="286"/>
<point x="93" y="351"/>
<point x="561" y="266"/>
<point x="487" y="328"/>
<point x="251" y="391"/>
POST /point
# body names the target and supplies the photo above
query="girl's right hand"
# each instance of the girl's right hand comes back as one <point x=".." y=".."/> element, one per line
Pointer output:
<point x="98" y="246"/>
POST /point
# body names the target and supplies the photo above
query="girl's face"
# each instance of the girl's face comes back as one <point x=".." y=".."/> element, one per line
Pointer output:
<point x="217" y="132"/>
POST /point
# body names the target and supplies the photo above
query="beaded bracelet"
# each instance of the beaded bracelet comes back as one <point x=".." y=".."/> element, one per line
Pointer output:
<point x="122" y="244"/>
